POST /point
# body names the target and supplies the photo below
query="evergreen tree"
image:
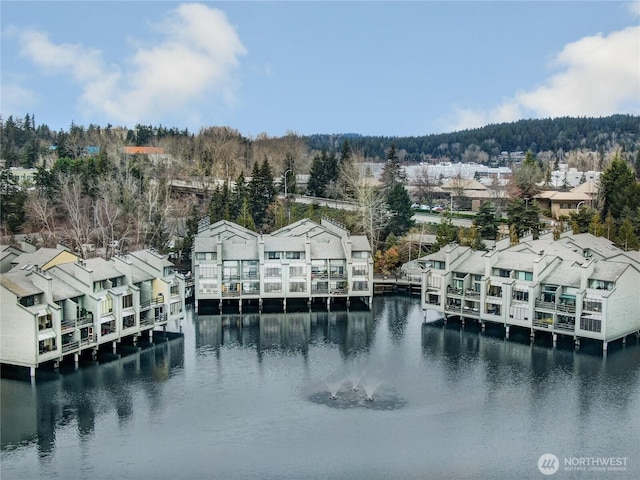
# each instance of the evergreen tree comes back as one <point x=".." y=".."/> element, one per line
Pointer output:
<point x="487" y="221"/>
<point x="12" y="201"/>
<point x="261" y="190"/>
<point x="245" y="218"/>
<point x="399" y="206"/>
<point x="446" y="232"/>
<point x="615" y="182"/>
<point x="289" y="176"/>
<point x="627" y="238"/>
<point x="392" y="172"/>
<point x="581" y="220"/>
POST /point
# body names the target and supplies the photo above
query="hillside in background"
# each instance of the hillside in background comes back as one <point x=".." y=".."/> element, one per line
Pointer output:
<point x="554" y="135"/>
<point x="25" y="144"/>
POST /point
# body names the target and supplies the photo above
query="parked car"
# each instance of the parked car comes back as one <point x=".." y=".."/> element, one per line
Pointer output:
<point x="437" y="208"/>
<point x="425" y="207"/>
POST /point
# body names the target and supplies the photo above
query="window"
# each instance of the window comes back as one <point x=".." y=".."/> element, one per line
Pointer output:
<point x="438" y="265"/>
<point x="520" y="275"/>
<point x="520" y="296"/>
<point x="270" y="271"/>
<point x="128" y="321"/>
<point x="600" y="284"/>
<point x="273" y="255"/>
<point x="360" y="269"/>
<point x="337" y="269"/>
<point x="297" y="286"/>
<point x="592" y="305"/>
<point x="501" y="272"/>
<point x="127" y="301"/>
<point x="208" y="287"/>
<point x="295" y="255"/>
<point x="250" y="269"/>
<point x="297" y="271"/>
<point x="175" y="308"/>
<point x="360" y="285"/>
<point x="272" y="287"/>
<point x="208" y="271"/>
<point x="206" y="256"/>
<point x="47" y="345"/>
<point x="174" y="290"/>
<point x="107" y="305"/>
<point x="45" y="321"/>
<point x="591" y="324"/>
<point x="359" y="254"/>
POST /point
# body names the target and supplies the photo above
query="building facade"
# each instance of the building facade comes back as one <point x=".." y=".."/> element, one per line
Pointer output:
<point x="52" y="310"/>
<point x="302" y="261"/>
<point x="580" y="286"/>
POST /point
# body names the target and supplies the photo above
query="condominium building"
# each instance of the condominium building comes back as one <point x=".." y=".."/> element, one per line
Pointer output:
<point x="303" y="261"/>
<point x="65" y="306"/>
<point x="580" y="286"/>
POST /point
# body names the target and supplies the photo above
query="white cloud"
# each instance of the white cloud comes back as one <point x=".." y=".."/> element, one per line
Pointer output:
<point x="595" y="76"/>
<point x="15" y="98"/>
<point x="191" y="66"/>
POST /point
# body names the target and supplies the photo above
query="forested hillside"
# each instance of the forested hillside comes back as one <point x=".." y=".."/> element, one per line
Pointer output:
<point x="554" y="135"/>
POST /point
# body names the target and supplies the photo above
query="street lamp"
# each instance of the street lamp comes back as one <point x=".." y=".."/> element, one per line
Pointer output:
<point x="451" y="208"/>
<point x="578" y="207"/>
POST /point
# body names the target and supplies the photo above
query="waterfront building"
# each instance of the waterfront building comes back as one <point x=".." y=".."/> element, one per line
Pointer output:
<point x="64" y="305"/>
<point x="580" y="286"/>
<point x="302" y="261"/>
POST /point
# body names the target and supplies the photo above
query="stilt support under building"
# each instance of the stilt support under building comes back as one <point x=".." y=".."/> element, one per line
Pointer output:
<point x="32" y="372"/>
<point x="576" y="341"/>
<point x="605" y="345"/>
<point x="482" y="326"/>
<point x="506" y="331"/>
<point x="555" y="339"/>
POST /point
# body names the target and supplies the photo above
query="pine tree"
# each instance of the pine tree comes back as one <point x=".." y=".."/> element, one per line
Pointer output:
<point x="627" y="238"/>
<point x="399" y="206"/>
<point x="487" y="221"/>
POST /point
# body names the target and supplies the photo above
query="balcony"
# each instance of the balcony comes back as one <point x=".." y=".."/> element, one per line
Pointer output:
<point x="70" y="346"/>
<point x="545" y="305"/>
<point x="454" y="291"/>
<point x="472" y="294"/>
<point x="566" y="308"/>
<point x="86" y="320"/>
<point x="453" y="308"/>
<point x="159" y="300"/>
<point x="545" y="322"/>
<point x="162" y="318"/>
<point x="565" y="326"/>
<point x="66" y="325"/>
<point x="147" y="321"/>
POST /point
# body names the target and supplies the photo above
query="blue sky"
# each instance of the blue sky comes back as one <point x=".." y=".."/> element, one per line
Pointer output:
<point x="374" y="68"/>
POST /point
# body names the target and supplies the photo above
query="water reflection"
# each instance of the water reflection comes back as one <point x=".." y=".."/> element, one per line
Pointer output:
<point x="33" y="412"/>
<point x="294" y="332"/>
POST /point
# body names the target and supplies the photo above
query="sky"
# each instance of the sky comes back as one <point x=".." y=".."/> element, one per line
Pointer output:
<point x="388" y="68"/>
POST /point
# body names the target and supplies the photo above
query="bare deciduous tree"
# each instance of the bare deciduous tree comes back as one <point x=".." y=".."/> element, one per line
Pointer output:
<point x="41" y="216"/>
<point x="77" y="209"/>
<point x="371" y="203"/>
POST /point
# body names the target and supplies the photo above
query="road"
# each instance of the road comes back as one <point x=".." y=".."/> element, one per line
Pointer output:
<point x="419" y="217"/>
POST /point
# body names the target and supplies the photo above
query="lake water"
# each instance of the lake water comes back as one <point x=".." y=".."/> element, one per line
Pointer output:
<point x="252" y="402"/>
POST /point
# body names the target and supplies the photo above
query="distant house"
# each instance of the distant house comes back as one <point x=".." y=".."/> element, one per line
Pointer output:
<point x="563" y="203"/>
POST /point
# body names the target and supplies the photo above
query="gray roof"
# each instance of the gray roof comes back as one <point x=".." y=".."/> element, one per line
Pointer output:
<point x="40" y="257"/>
<point x="474" y="264"/>
<point x="608" y="270"/>
<point x="62" y="291"/>
<point x="139" y="275"/>
<point x="360" y="243"/>
<point x="521" y="261"/>
<point x="18" y="283"/>
<point x="101" y="268"/>
<point x="564" y="274"/>
<point x="284" y="244"/>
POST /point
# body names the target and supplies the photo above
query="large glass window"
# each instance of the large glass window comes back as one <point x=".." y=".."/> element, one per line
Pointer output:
<point x="360" y="285"/>
<point x="272" y="271"/>
<point x="520" y="275"/>
<point x="127" y="301"/>
<point x="297" y="286"/>
<point x="208" y="271"/>
<point x="297" y="271"/>
<point x="592" y="305"/>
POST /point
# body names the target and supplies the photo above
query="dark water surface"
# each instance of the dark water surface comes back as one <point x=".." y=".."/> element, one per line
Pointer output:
<point x="254" y="402"/>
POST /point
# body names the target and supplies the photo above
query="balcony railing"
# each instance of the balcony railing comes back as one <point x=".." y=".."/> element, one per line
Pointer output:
<point x="161" y="318"/>
<point x="146" y="321"/>
<point x="67" y="325"/>
<point x="543" y="322"/>
<point x="454" y="291"/>
<point x="319" y="290"/>
<point x="152" y="302"/>
<point x="86" y="320"/>
<point x="231" y="293"/>
<point x="546" y="305"/>
<point x="569" y="327"/>
<point x="453" y="308"/>
<point x="566" y="308"/>
<point x="338" y="291"/>
<point x="472" y="294"/>
<point x="68" y="347"/>
<point x="87" y="340"/>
